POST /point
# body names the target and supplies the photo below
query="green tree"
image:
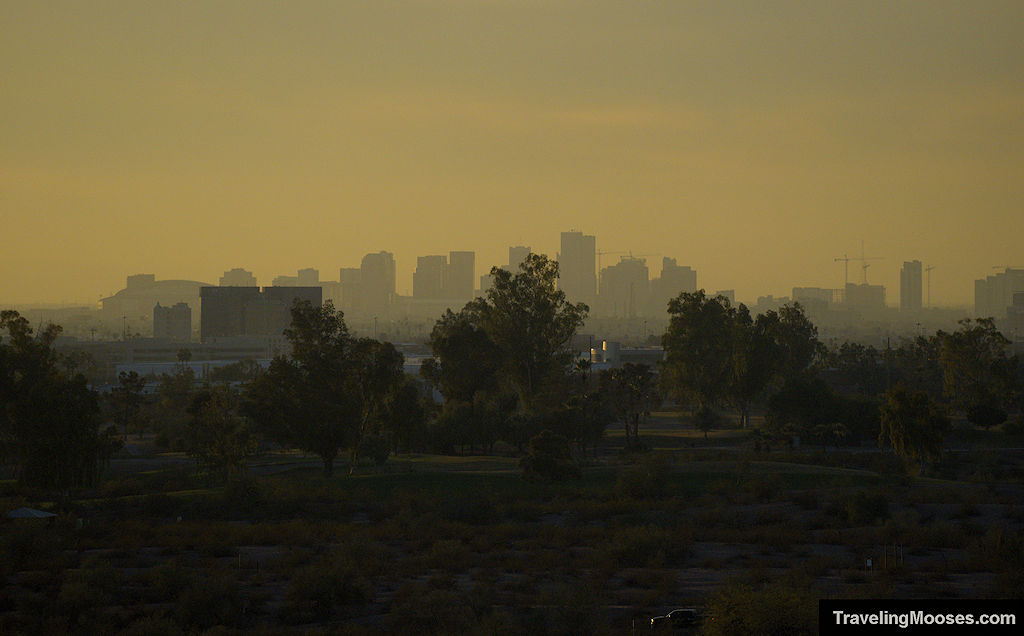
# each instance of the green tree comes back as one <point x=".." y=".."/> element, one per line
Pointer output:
<point x="912" y="424"/>
<point x="50" y="423"/>
<point x="332" y="389"/>
<point x="531" y="324"/>
<point x="699" y="345"/>
<point x="975" y="368"/>
<point x="548" y="459"/>
<point x="630" y="392"/>
<point x="127" y="400"/>
<point x="754" y="361"/>
<point x="219" y="438"/>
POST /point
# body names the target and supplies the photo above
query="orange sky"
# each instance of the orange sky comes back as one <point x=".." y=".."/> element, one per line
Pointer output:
<point x="755" y="144"/>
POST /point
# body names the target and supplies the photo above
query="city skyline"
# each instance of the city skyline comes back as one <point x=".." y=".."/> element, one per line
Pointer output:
<point x="754" y="144"/>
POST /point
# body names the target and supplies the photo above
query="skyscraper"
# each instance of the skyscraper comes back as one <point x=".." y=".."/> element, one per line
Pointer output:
<point x="910" y="286"/>
<point x="428" y="279"/>
<point x="378" y="282"/>
<point x="458" y="280"/>
<point x="576" y="267"/>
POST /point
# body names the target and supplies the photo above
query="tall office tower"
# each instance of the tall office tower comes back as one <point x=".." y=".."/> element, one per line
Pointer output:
<point x="351" y="281"/>
<point x="238" y="277"/>
<point x="428" y="279"/>
<point x="308" y="277"/>
<point x="173" y="323"/>
<point x="625" y="287"/>
<point x="674" y="280"/>
<point x="516" y="255"/>
<point x="377" y="273"/>
<point x="910" y="286"/>
<point x="576" y="267"/>
<point x="458" y="279"/>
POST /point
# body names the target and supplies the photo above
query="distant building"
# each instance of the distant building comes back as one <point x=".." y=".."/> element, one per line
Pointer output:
<point x="441" y="277"/>
<point x="994" y="294"/>
<point x="172" y="323"/>
<point x="351" y="281"/>
<point x="815" y="299"/>
<point x="864" y="297"/>
<point x="377" y="283"/>
<point x="576" y="267"/>
<point x="131" y="308"/>
<point x="428" y="279"/>
<point x="728" y="294"/>
<point x="230" y="312"/>
<point x="238" y="277"/>
<point x="910" y="286"/>
<point x="674" y="280"/>
<point x="459" y="275"/>
<point x="516" y="256"/>
<point x="1015" y="318"/>
<point x="625" y="288"/>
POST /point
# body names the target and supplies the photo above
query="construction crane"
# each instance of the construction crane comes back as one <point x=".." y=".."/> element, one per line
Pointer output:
<point x="864" y="264"/>
<point x="600" y="253"/>
<point x="928" y="272"/>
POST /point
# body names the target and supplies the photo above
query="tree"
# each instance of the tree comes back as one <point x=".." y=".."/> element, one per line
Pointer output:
<point x="630" y="392"/>
<point x="699" y="346"/>
<point x="531" y="324"/>
<point x="975" y="368"/>
<point x="796" y="339"/>
<point x="913" y="424"/>
<point x="50" y="423"/>
<point x="330" y="392"/>
<point x="127" y="400"/>
<point x="548" y="459"/>
<point x="754" y="361"/>
<point x="218" y="437"/>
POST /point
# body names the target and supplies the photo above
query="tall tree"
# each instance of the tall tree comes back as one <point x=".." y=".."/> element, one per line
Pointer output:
<point x="331" y="390"/>
<point x="976" y="371"/>
<point x="699" y="347"/>
<point x="913" y="424"/>
<point x="754" y="361"/>
<point x="50" y="423"/>
<point x="218" y="437"/>
<point x="630" y="392"/>
<point x="532" y="325"/>
<point x="127" y="400"/>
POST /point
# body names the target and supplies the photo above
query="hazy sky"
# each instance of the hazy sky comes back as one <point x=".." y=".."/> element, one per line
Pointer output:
<point x="755" y="142"/>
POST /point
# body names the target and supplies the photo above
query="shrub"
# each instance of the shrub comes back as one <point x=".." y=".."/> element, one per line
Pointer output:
<point x="324" y="591"/>
<point x="645" y="480"/>
<point x="548" y="459"/>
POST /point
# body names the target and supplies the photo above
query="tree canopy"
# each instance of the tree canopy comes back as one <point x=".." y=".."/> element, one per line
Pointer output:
<point x="330" y="391"/>
<point x="50" y="422"/>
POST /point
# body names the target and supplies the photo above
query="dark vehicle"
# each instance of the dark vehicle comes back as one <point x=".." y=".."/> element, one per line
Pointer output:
<point x="678" y="619"/>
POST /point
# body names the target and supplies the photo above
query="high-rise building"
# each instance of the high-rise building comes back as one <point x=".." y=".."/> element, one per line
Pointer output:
<point x="516" y="255"/>
<point x="459" y="275"/>
<point x="910" y="286"/>
<point x="377" y="274"/>
<point x="625" y="288"/>
<point x="576" y="267"/>
<point x="674" y="280"/>
<point x="238" y="277"/>
<point x="173" y="323"/>
<point x="428" y="279"/>
<point x="994" y="294"/>
<point x="309" y="277"/>
<point x="351" y="281"/>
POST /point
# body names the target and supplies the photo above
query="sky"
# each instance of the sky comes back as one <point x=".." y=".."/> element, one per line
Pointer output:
<point x="755" y="142"/>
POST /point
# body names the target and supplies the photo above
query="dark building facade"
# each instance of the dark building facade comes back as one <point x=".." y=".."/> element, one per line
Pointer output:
<point x="229" y="312"/>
